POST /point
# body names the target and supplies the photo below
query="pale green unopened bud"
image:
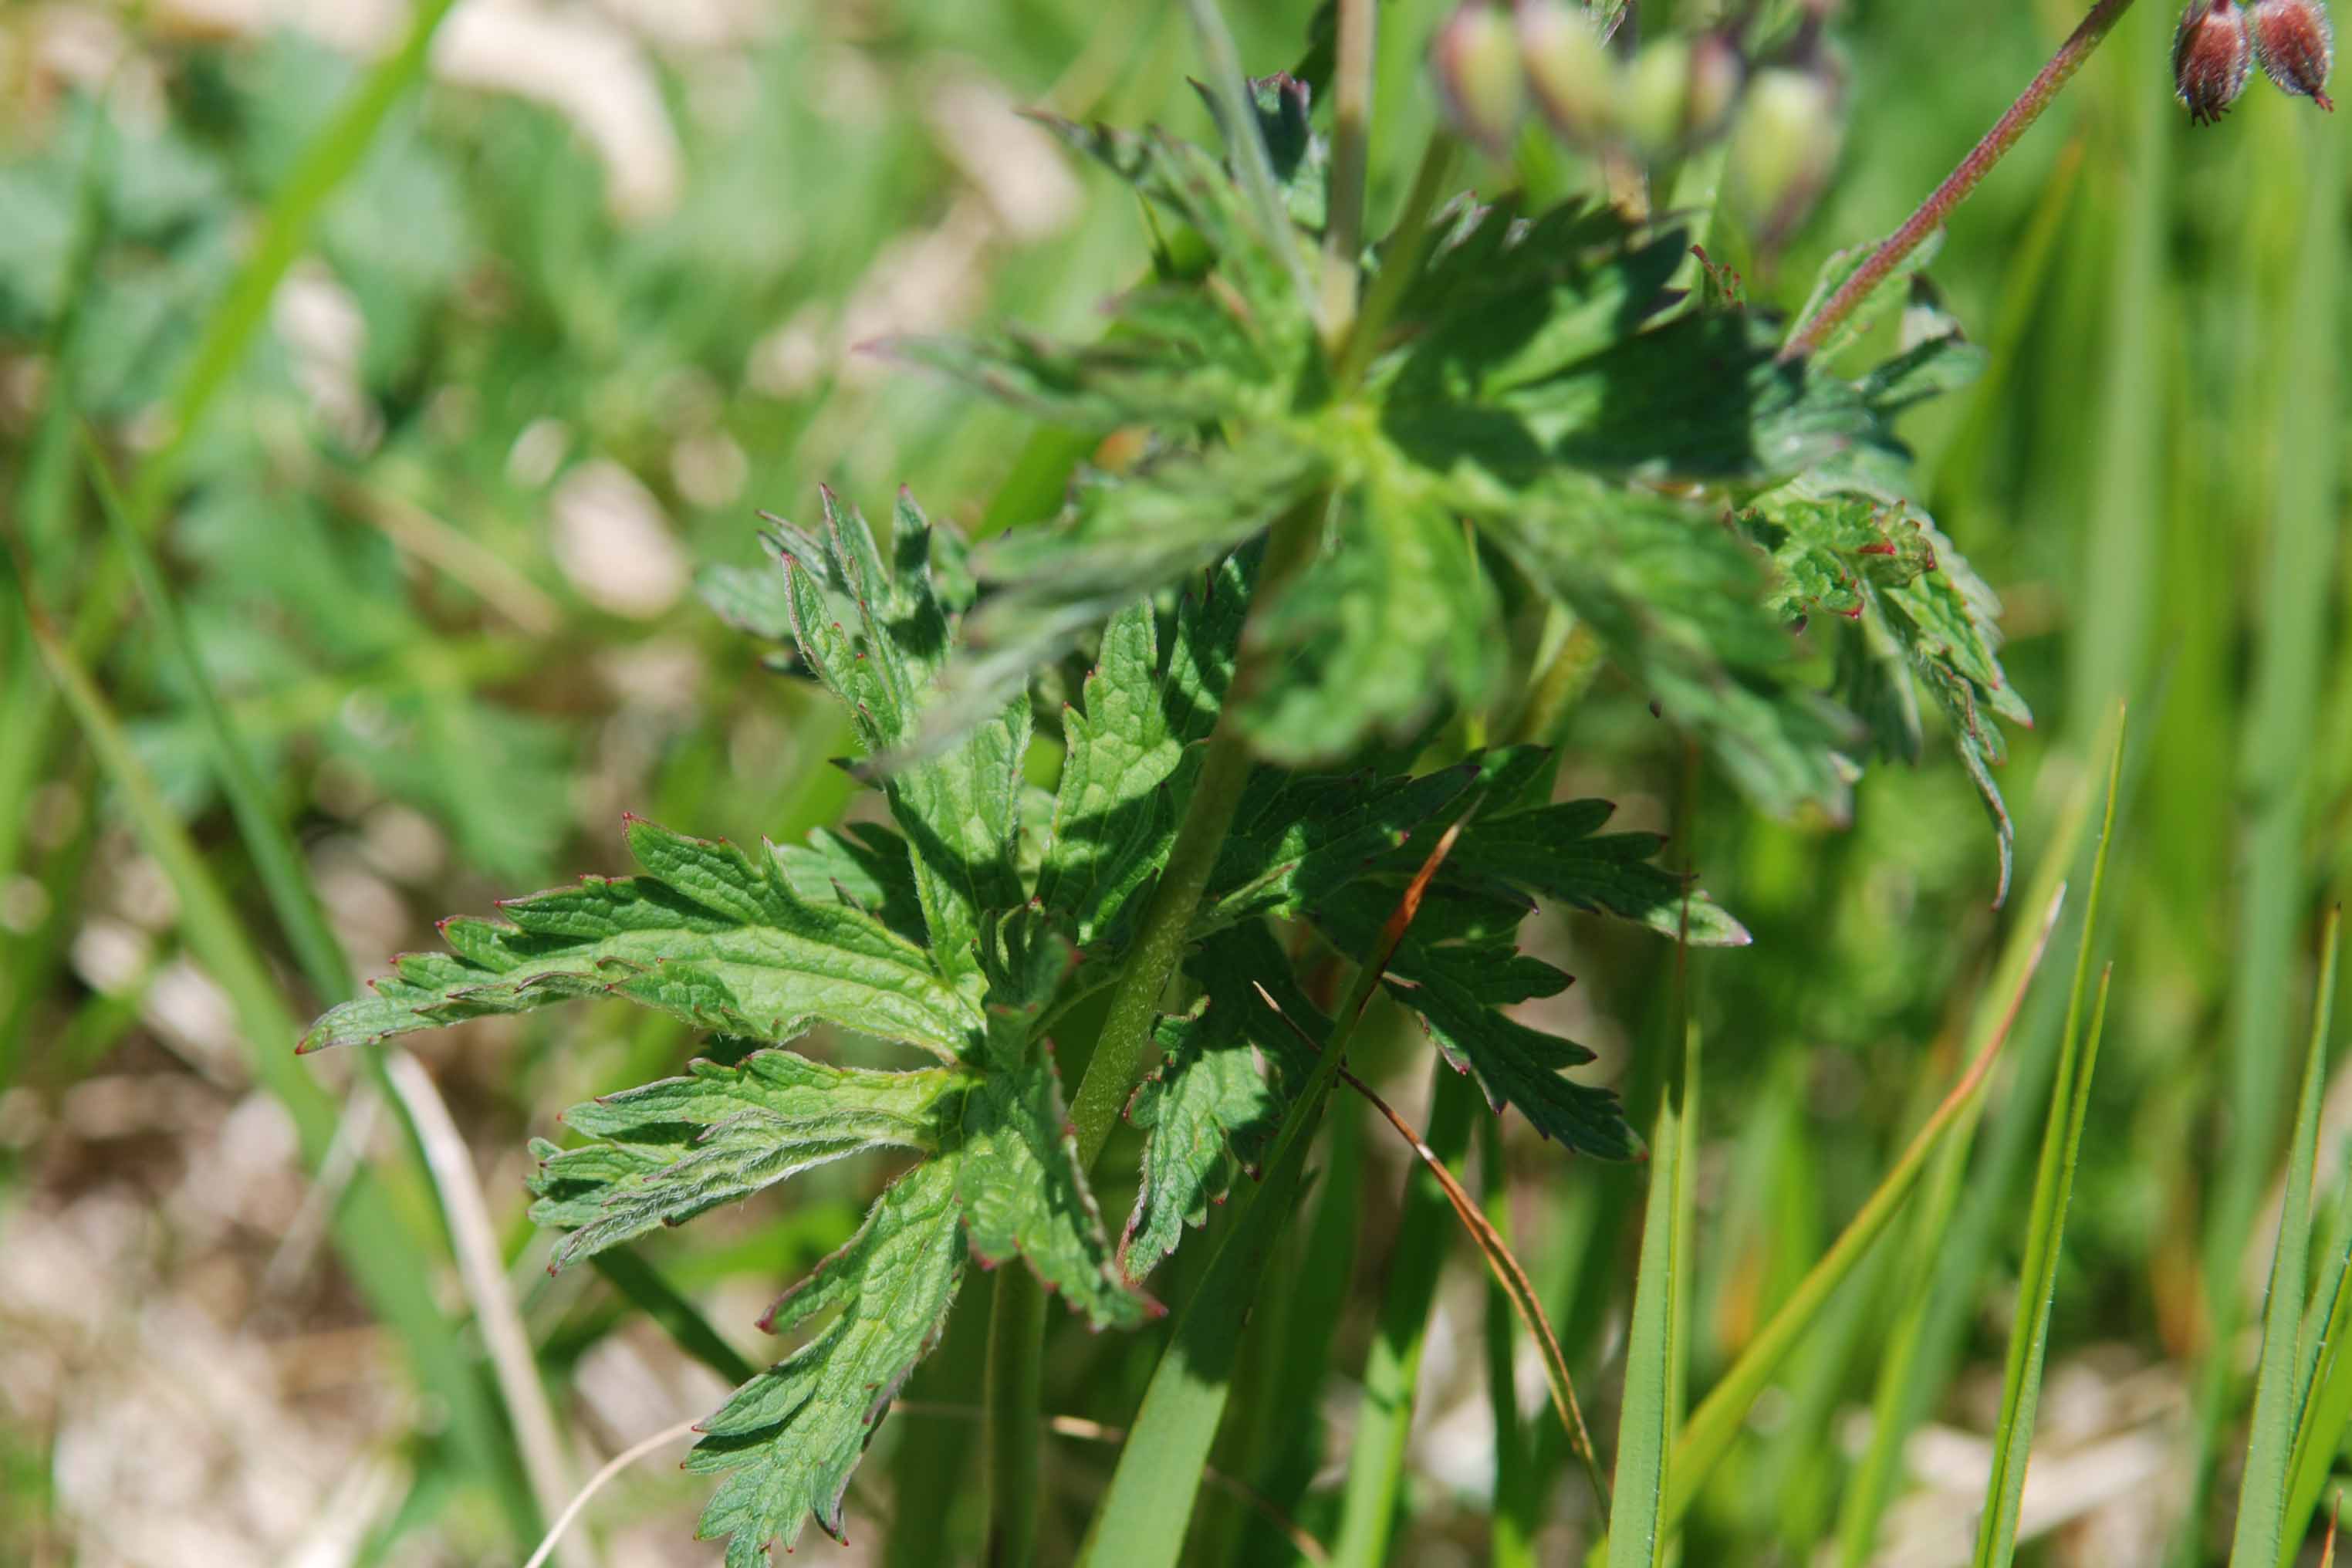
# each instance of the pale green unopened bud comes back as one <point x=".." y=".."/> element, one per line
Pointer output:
<point x="1476" y="54"/>
<point x="1656" y="97"/>
<point x="1784" y="144"/>
<point x="1569" y="69"/>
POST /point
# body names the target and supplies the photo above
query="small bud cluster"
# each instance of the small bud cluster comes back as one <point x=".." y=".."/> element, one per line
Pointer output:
<point x="1782" y="113"/>
<point x="2219" y="42"/>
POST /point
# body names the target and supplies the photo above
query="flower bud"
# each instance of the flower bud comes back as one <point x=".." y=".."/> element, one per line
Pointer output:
<point x="1567" y="64"/>
<point x="2209" y="57"/>
<point x="1657" y="95"/>
<point x="2295" y="45"/>
<point x="1784" y="145"/>
<point x="1477" y="53"/>
<point x="1681" y="91"/>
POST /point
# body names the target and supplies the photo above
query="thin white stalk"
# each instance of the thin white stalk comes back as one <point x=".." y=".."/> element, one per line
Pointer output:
<point x="476" y="1242"/>
<point x="613" y="1466"/>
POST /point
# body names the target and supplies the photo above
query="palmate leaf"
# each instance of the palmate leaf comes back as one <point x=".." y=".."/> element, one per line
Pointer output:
<point x="1681" y="605"/>
<point x="1381" y="630"/>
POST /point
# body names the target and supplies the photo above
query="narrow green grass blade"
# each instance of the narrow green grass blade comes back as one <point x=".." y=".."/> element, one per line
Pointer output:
<point x="2053" y="1187"/>
<point x="1712" y="1427"/>
<point x="1640" y="1524"/>
<point x="2274" y="787"/>
<point x="658" y="1299"/>
<point x="1144" y="1515"/>
<point x="377" y="1249"/>
<point x="1384" y="1413"/>
<point x="2324" y="1397"/>
<point x="276" y="860"/>
<point x="1948" y="1242"/>
<point x="2037" y="1285"/>
<point x="1327" y="1265"/>
<point x="2261" y="1537"/>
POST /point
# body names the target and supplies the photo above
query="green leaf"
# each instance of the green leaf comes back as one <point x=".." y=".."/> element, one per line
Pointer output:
<point x="1506" y="301"/>
<point x="787" y="1441"/>
<point x="1456" y="971"/>
<point x="1557" y="851"/>
<point x="1021" y="1192"/>
<point x="2264" y="1492"/>
<point x="1681" y="605"/>
<point x="1228" y="1071"/>
<point x="669" y="1151"/>
<point x="1878" y="562"/>
<point x="1459" y="997"/>
<point x="1299" y="157"/>
<point x="709" y="935"/>
<point x="959" y="804"/>
<point x="1192" y="186"/>
<point x="1394" y="619"/>
<point x="1115" y="810"/>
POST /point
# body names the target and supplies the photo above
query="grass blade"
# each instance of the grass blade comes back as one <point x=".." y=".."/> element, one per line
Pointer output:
<point x="1709" y="1432"/>
<point x="1951" y="1238"/>
<point x="1517" y="1509"/>
<point x="1640" y="1524"/>
<point x="377" y="1248"/>
<point x="2260" y="1535"/>
<point x="304" y="921"/>
<point x="2037" y="1285"/>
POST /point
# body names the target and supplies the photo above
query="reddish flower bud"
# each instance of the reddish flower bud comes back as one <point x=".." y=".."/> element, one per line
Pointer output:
<point x="1477" y="53"/>
<point x="2210" y="56"/>
<point x="2295" y="45"/>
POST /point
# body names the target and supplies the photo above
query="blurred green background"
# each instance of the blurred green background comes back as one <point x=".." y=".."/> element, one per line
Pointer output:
<point x="588" y="291"/>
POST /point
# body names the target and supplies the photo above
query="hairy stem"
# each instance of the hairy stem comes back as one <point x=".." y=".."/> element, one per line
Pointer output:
<point x="1351" y="119"/>
<point x="1963" y="179"/>
<point x="1123" y="1052"/>
<point x="1015" y="1416"/>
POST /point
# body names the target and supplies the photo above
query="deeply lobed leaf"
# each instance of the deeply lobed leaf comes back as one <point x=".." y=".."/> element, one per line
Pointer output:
<point x="709" y="935"/>
<point x="672" y="1150"/>
<point x="786" y="1442"/>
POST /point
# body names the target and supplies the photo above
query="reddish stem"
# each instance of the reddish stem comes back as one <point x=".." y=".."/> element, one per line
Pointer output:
<point x="1956" y="187"/>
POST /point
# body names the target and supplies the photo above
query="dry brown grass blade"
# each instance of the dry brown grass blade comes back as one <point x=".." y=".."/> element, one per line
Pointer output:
<point x="1508" y="1273"/>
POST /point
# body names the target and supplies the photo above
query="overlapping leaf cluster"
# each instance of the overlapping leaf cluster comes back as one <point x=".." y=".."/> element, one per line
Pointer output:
<point x="1606" y="437"/>
<point x="963" y="929"/>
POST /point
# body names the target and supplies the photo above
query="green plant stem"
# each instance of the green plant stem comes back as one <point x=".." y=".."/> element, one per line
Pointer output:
<point x="1351" y="122"/>
<point x="1400" y="257"/>
<point x="1142" y="1519"/>
<point x="1123" y="1052"/>
<point x="1015" y="1416"/>
<point x="1957" y="186"/>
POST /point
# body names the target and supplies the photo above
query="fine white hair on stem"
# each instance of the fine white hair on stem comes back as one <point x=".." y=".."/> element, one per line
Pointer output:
<point x="613" y="1466"/>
